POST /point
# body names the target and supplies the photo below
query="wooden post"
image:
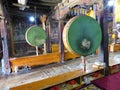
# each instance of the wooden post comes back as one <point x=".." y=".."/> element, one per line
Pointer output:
<point x="5" y="62"/>
<point x="61" y="46"/>
<point x="104" y="45"/>
<point x="12" y="38"/>
<point x="114" y="23"/>
<point x="9" y="31"/>
<point x="43" y="20"/>
<point x="106" y="37"/>
<point x="48" y="43"/>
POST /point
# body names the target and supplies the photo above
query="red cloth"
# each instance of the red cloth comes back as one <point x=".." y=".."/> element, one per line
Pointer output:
<point x="111" y="82"/>
<point x="72" y="82"/>
<point x="55" y="88"/>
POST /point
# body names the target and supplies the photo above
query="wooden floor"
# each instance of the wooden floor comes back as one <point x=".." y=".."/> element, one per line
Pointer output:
<point x="48" y="71"/>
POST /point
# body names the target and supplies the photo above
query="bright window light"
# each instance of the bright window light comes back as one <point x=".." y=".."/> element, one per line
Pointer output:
<point x="110" y="2"/>
<point x="32" y="19"/>
<point x="23" y="2"/>
<point x="118" y="25"/>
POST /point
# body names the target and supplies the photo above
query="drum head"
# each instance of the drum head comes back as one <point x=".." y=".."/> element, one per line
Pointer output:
<point x="82" y="35"/>
<point x="35" y="36"/>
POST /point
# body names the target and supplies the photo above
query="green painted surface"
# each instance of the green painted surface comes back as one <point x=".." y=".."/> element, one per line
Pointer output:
<point x="35" y="36"/>
<point x="84" y="35"/>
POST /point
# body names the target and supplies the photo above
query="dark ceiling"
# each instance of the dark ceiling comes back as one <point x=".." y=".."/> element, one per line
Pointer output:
<point x="42" y="7"/>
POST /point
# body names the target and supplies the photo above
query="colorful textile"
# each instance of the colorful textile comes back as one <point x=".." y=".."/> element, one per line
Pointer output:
<point x="111" y="82"/>
<point x="90" y="87"/>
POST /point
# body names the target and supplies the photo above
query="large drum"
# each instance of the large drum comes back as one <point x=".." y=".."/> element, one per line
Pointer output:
<point x="35" y="36"/>
<point x="82" y="35"/>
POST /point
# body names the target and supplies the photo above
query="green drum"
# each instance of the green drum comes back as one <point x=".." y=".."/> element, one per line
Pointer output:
<point x="35" y="36"/>
<point x="82" y="35"/>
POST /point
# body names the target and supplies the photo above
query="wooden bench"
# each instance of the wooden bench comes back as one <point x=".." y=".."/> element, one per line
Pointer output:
<point x="67" y="55"/>
<point x="34" y="60"/>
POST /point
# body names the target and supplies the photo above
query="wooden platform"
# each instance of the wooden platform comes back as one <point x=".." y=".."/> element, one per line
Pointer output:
<point x="44" y="77"/>
<point x="49" y="75"/>
<point x="43" y="59"/>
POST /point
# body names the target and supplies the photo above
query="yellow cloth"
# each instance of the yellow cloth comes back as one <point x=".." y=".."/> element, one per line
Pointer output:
<point x="113" y="35"/>
<point x="91" y="13"/>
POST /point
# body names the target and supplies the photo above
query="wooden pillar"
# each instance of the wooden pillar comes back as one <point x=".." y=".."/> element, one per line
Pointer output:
<point x="105" y="38"/>
<point x="114" y="23"/>
<point x="12" y="39"/>
<point x="9" y="31"/>
<point x="48" y="43"/>
<point x="61" y="46"/>
<point x="5" y="61"/>
<point x="43" y="20"/>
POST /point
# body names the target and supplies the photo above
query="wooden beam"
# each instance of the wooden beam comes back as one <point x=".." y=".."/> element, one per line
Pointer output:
<point x="43" y="3"/>
<point x="51" y="1"/>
